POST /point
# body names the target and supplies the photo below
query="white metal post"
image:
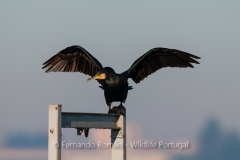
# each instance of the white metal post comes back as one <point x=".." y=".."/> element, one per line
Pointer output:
<point x="118" y="140"/>
<point x="58" y="119"/>
<point x="54" y="132"/>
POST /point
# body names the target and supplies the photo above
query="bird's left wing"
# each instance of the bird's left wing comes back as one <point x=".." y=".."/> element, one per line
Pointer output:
<point x="73" y="59"/>
<point x="158" y="58"/>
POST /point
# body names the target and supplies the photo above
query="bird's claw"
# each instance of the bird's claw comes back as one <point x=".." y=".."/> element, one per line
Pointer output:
<point x="117" y="110"/>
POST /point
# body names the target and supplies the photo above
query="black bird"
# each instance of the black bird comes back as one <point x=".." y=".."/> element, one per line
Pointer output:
<point x="115" y="86"/>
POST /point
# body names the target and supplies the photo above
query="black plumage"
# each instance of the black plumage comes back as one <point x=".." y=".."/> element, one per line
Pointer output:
<point x="115" y="86"/>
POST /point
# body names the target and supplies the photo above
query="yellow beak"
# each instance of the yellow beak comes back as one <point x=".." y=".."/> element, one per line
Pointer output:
<point x="101" y="76"/>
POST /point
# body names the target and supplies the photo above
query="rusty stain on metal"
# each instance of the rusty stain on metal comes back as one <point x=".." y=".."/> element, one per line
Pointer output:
<point x="51" y="130"/>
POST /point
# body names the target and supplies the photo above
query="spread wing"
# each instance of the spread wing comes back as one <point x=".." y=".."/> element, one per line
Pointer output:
<point x="73" y="59"/>
<point x="158" y="58"/>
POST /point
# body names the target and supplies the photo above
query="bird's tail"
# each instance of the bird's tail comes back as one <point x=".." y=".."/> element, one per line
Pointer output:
<point x="130" y="87"/>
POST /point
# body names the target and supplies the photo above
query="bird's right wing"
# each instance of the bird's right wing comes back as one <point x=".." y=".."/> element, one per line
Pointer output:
<point x="73" y="59"/>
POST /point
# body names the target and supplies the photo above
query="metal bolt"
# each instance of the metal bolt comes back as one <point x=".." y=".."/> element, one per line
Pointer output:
<point x="121" y="133"/>
<point x="51" y="130"/>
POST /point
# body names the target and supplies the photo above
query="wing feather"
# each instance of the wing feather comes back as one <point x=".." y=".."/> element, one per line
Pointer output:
<point x="158" y="58"/>
<point x="73" y="59"/>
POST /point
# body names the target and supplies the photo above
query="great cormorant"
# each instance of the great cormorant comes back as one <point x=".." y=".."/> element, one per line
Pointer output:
<point x="115" y="86"/>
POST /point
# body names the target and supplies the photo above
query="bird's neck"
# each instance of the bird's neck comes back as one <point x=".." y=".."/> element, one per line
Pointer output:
<point x="111" y="75"/>
<point x="111" y="79"/>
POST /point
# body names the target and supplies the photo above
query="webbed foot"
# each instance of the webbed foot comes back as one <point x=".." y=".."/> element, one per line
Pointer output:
<point x="117" y="110"/>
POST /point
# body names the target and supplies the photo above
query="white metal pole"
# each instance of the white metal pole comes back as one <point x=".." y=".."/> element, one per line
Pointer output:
<point x="118" y="141"/>
<point x="54" y="131"/>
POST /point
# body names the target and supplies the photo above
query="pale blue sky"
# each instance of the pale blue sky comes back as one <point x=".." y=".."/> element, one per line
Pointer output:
<point x="170" y="104"/>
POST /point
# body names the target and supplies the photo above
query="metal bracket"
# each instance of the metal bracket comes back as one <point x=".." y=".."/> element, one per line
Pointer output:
<point x="82" y="131"/>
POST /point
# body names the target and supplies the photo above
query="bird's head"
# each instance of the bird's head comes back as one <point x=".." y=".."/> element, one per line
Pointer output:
<point x="102" y="74"/>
